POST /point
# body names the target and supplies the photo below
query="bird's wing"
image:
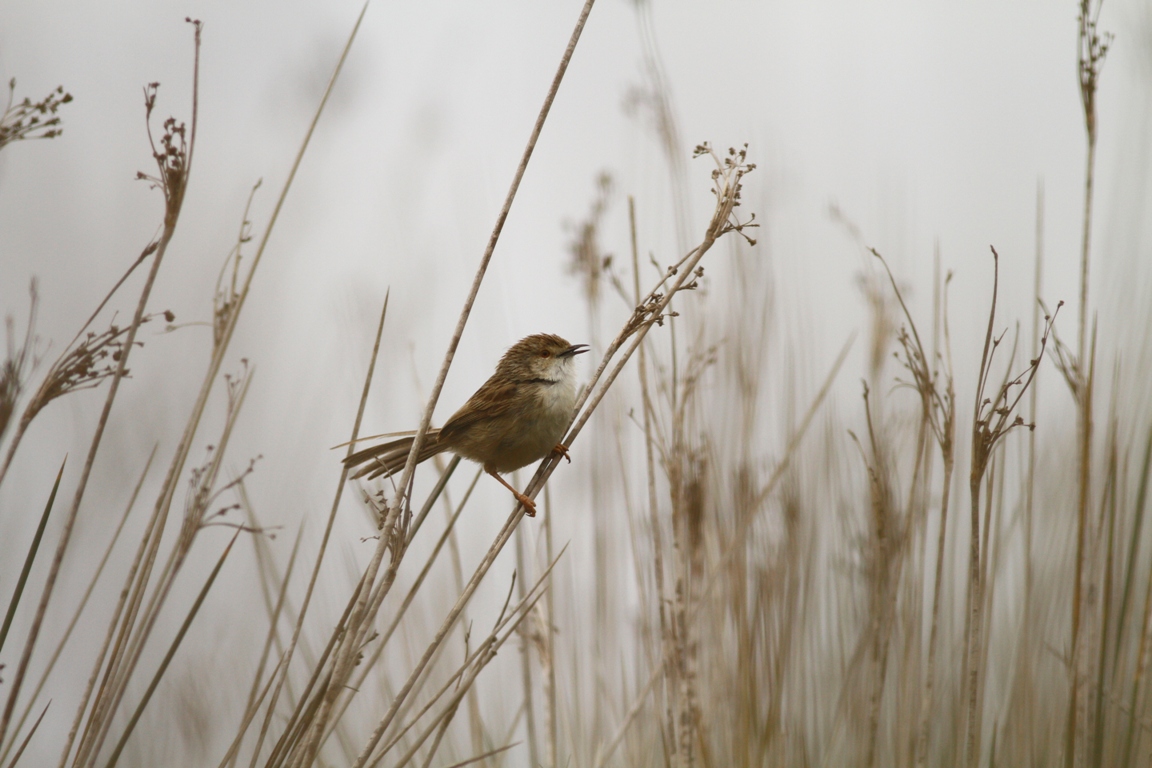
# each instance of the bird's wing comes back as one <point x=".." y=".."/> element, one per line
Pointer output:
<point x="493" y="400"/>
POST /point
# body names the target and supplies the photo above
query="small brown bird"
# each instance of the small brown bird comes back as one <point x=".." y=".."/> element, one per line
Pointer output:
<point x="517" y="417"/>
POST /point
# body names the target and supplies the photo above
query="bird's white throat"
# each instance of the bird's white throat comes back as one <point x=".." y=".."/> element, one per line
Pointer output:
<point x="559" y="397"/>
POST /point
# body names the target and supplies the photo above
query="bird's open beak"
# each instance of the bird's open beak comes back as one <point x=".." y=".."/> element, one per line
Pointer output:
<point x="575" y="349"/>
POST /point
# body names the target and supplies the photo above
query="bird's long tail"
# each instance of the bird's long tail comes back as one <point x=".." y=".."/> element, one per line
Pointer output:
<point x="389" y="458"/>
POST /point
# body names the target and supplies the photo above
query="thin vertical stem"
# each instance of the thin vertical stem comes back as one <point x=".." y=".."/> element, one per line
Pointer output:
<point x="650" y="467"/>
<point x="525" y="652"/>
<point x="549" y="643"/>
<point x="1024" y="669"/>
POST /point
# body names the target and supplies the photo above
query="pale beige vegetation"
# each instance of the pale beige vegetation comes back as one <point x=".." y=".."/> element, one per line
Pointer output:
<point x="815" y="598"/>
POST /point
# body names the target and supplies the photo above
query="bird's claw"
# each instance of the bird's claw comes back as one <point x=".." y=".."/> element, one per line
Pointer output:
<point x="562" y="450"/>
<point x="529" y="505"/>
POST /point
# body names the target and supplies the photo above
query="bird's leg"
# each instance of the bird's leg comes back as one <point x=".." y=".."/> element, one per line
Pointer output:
<point x="529" y="505"/>
<point x="562" y="450"/>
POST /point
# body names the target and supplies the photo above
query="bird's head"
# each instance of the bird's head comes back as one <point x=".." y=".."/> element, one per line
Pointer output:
<point x="542" y="356"/>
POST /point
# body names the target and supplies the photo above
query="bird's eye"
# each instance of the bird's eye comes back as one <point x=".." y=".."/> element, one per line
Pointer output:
<point x="545" y="353"/>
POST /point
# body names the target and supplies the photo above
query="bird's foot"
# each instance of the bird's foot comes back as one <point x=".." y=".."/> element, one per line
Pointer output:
<point x="562" y="450"/>
<point x="529" y="505"/>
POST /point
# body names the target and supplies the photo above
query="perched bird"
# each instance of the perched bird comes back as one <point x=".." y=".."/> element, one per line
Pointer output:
<point x="517" y="417"/>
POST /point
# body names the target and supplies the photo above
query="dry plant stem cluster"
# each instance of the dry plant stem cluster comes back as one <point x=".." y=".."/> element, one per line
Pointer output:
<point x="28" y="120"/>
<point x="134" y="617"/>
<point x="81" y="366"/>
<point x="681" y="276"/>
<point x="373" y="592"/>
<point x="936" y="389"/>
<point x="651" y="310"/>
<point x="174" y="164"/>
<point x="690" y="613"/>
<point x="91" y="358"/>
<point x="993" y="418"/>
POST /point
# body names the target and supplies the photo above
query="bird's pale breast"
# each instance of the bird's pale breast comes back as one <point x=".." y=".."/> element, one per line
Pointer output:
<point x="533" y="437"/>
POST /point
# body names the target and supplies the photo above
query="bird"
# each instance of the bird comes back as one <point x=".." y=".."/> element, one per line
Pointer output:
<point x="518" y="416"/>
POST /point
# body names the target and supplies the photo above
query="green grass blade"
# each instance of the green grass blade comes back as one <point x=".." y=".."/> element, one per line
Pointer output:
<point x="30" y="557"/>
